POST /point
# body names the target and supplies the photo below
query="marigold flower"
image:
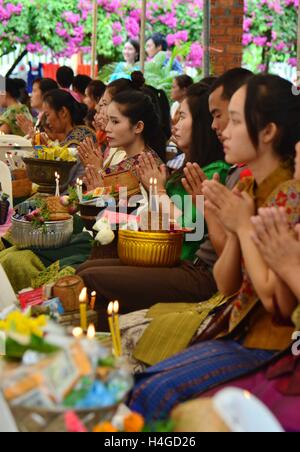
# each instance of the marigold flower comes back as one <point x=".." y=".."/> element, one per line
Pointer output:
<point x="134" y="423"/>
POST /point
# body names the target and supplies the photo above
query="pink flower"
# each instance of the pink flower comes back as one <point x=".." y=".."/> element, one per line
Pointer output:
<point x="71" y="18"/>
<point x="132" y="28"/>
<point x="34" y="48"/>
<point x="195" y="57"/>
<point x="177" y="38"/>
<point x="117" y="27"/>
<point x="117" y="40"/>
<point x="292" y="62"/>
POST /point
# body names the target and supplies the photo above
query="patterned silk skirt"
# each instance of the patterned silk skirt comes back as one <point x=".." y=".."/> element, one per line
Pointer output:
<point x="190" y="373"/>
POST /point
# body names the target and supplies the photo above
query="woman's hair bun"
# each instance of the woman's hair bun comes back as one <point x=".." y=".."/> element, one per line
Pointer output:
<point x="138" y="80"/>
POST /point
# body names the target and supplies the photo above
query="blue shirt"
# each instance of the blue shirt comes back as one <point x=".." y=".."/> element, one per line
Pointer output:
<point x="123" y="70"/>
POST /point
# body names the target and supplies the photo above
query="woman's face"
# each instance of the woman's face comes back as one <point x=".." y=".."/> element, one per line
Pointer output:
<point x="151" y="48"/>
<point x="89" y="101"/>
<point x="184" y="128"/>
<point x="101" y="118"/>
<point x="177" y="93"/>
<point x="297" y="162"/>
<point x="3" y="100"/>
<point x="120" y="132"/>
<point x="36" y="100"/>
<point x="57" y="122"/>
<point x="129" y="53"/>
<point x="238" y="146"/>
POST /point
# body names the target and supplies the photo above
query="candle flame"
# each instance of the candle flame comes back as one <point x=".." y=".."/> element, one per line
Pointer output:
<point x="91" y="332"/>
<point x="151" y="180"/>
<point x="94" y="294"/>
<point x="83" y="296"/>
<point x="247" y="395"/>
<point x="110" y="308"/>
<point x="116" y="307"/>
<point x="77" y="332"/>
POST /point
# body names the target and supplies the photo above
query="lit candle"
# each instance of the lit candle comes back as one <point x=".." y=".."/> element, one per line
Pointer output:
<point x="57" y="177"/>
<point x="83" y="308"/>
<point x="77" y="332"/>
<point x="117" y="327"/>
<point x="93" y="300"/>
<point x="91" y="332"/>
<point x="155" y="195"/>
<point x="37" y="137"/>
<point x="80" y="191"/>
<point x="150" y="194"/>
<point x="77" y="188"/>
<point x="110" y="310"/>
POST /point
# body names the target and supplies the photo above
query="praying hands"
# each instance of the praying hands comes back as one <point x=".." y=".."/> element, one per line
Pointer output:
<point x="89" y="154"/>
<point x="26" y="125"/>
<point x="93" y="178"/>
<point x="148" y="169"/>
<point x="193" y="180"/>
<point x="233" y="208"/>
<point x="277" y="242"/>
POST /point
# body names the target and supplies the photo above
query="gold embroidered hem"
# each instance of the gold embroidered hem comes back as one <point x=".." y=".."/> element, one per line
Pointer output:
<point x="172" y="328"/>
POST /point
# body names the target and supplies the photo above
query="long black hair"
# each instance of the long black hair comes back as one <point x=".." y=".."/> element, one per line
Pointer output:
<point x="159" y="99"/>
<point x="205" y="146"/>
<point x="137" y="106"/>
<point x="58" y="99"/>
<point x="270" y="99"/>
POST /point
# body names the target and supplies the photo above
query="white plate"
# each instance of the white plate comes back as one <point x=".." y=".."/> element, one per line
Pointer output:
<point x="242" y="412"/>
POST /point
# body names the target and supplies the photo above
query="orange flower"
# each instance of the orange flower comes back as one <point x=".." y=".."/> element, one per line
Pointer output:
<point x="134" y="423"/>
<point x="105" y="427"/>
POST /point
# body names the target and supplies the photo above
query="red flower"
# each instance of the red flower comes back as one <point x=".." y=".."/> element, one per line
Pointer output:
<point x="281" y="199"/>
<point x="289" y="211"/>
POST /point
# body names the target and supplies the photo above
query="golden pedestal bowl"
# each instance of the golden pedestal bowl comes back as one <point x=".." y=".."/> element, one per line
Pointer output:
<point x="42" y="173"/>
<point x="150" y="249"/>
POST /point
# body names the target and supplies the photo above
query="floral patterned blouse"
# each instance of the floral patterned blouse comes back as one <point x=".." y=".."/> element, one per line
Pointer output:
<point x="9" y="117"/>
<point x="78" y="135"/>
<point x="278" y="190"/>
<point x="130" y="164"/>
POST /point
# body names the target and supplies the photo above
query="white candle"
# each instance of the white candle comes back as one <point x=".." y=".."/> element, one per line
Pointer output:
<point x="77" y="188"/>
<point x="93" y="300"/>
<point x="57" y="177"/>
<point x="91" y="332"/>
<point x="151" y="194"/>
<point x="80" y="191"/>
<point x="156" y="202"/>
